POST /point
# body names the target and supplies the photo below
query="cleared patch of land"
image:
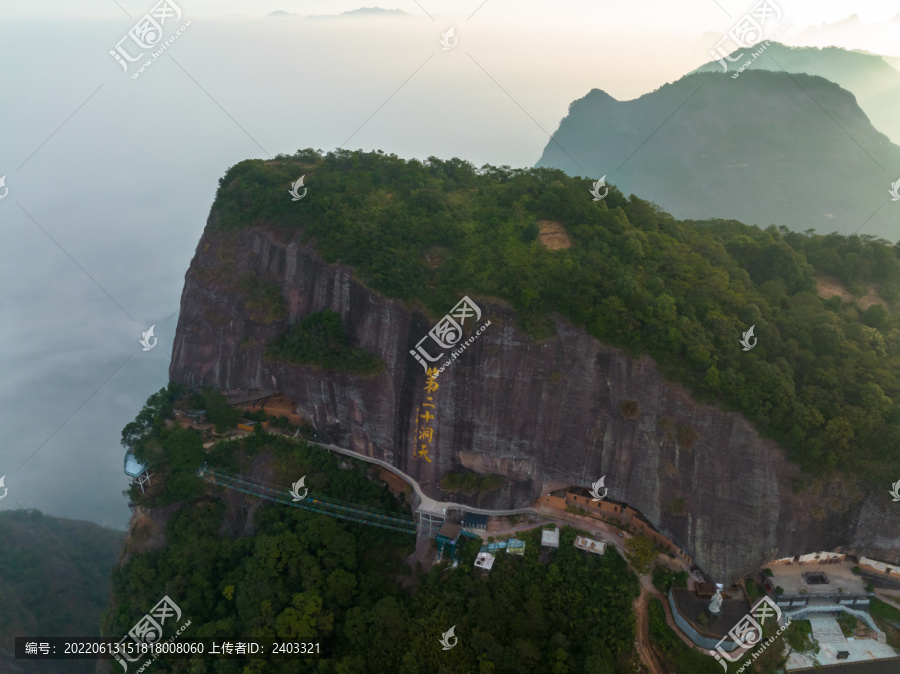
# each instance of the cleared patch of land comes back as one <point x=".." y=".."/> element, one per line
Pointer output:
<point x="828" y="287"/>
<point x="553" y="235"/>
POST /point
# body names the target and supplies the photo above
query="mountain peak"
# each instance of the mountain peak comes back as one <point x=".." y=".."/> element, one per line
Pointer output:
<point x="700" y="146"/>
<point x="363" y="12"/>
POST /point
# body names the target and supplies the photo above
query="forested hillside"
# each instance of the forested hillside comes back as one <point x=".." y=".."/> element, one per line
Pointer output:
<point x="823" y="380"/>
<point x="54" y="581"/>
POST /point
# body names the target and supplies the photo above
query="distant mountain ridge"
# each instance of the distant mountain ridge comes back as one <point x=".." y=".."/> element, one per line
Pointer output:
<point x="363" y="12"/>
<point x="852" y="31"/>
<point x="871" y="78"/>
<point x="768" y="148"/>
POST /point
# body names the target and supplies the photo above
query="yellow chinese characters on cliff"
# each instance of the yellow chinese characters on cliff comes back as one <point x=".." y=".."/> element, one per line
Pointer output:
<point x="425" y="432"/>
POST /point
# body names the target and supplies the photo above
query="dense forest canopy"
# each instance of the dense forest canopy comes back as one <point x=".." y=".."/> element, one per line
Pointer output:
<point x="321" y="340"/>
<point x="823" y="380"/>
<point x="306" y="576"/>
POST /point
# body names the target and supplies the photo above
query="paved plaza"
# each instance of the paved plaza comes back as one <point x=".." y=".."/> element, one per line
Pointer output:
<point x="840" y="578"/>
<point x="861" y="650"/>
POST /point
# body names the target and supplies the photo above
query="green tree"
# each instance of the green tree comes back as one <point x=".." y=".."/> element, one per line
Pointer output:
<point x="220" y="413"/>
<point x="156" y="410"/>
<point x="304" y="619"/>
<point x="531" y="232"/>
<point x="799" y="637"/>
<point x="321" y="339"/>
<point x="342" y="585"/>
<point x="640" y="552"/>
<point x="877" y="317"/>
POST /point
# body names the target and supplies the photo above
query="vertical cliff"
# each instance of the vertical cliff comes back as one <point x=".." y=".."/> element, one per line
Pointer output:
<point x="535" y="413"/>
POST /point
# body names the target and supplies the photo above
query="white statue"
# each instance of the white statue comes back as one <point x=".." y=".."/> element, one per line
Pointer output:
<point x="715" y="605"/>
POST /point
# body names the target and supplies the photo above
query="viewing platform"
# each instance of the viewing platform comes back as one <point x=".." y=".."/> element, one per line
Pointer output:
<point x="138" y="472"/>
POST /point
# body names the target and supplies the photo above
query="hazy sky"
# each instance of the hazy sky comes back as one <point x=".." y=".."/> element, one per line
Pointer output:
<point x="111" y="178"/>
<point x="647" y="12"/>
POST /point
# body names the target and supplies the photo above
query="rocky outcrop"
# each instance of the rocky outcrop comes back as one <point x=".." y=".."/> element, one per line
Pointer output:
<point x="536" y="413"/>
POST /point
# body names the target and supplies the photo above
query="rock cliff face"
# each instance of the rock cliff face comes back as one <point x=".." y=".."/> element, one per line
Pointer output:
<point x="536" y="413"/>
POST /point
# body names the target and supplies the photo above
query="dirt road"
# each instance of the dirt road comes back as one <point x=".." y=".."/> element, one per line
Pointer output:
<point x="640" y="606"/>
<point x="642" y="634"/>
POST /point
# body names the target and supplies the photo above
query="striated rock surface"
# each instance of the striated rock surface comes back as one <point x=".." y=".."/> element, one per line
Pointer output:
<point x="534" y="413"/>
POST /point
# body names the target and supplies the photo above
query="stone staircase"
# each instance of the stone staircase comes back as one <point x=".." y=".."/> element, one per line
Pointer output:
<point x="826" y="630"/>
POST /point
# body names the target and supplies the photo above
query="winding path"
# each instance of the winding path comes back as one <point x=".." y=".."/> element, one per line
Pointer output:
<point x="642" y="633"/>
<point x="426" y="503"/>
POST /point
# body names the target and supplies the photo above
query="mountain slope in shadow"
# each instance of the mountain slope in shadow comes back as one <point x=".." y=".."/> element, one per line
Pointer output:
<point x="874" y="83"/>
<point x="54" y="582"/>
<point x="767" y="148"/>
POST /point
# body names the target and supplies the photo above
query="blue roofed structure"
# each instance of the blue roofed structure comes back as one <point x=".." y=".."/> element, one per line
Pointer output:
<point x="138" y="472"/>
<point x="513" y="545"/>
<point x="494" y="547"/>
<point x="133" y="467"/>
<point x="475" y="521"/>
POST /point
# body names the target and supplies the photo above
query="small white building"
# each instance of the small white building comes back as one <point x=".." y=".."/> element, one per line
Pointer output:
<point x="879" y="566"/>
<point x="550" y="538"/>
<point x="485" y="560"/>
<point x="811" y="558"/>
<point x="589" y="544"/>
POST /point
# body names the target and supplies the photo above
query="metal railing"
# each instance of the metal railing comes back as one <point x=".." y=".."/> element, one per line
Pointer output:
<point x="312" y="502"/>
